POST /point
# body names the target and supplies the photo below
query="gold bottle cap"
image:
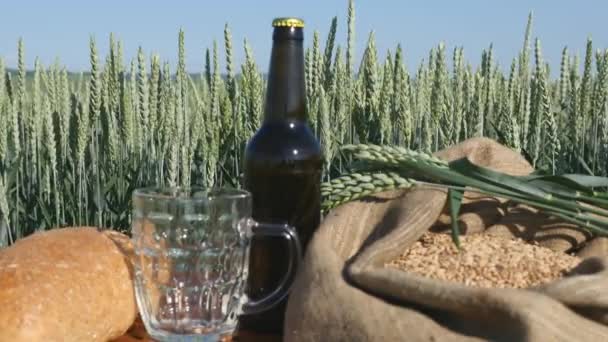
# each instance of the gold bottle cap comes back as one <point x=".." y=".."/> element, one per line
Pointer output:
<point x="288" y="22"/>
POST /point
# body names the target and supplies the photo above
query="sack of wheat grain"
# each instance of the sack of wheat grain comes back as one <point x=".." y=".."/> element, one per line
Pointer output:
<point x="382" y="269"/>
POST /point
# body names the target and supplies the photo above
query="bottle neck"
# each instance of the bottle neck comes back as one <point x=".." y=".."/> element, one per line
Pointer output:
<point x="286" y="92"/>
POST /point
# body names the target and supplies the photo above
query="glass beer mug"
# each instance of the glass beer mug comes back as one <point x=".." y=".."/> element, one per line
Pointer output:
<point x="191" y="261"/>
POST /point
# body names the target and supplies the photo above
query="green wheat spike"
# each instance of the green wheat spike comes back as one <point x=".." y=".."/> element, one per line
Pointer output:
<point x="402" y="109"/>
<point x="564" y="81"/>
<point x="143" y="109"/>
<point x="350" y="50"/>
<point x="386" y="99"/>
<point x="328" y="53"/>
<point x="154" y="100"/>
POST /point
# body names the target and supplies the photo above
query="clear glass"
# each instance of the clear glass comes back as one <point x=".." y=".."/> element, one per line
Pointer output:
<point x="191" y="261"/>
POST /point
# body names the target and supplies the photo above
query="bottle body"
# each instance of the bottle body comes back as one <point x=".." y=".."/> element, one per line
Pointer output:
<point x="282" y="167"/>
<point x="285" y="188"/>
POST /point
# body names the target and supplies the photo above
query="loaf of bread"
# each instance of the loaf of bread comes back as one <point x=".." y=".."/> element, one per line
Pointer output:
<point x="68" y="284"/>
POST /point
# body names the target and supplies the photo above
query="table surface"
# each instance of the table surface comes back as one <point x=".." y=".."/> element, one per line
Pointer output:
<point x="137" y="333"/>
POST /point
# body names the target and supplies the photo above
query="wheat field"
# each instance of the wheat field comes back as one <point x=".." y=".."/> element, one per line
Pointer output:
<point x="73" y="148"/>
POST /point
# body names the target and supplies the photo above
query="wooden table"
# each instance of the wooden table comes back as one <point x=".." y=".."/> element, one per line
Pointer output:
<point x="137" y="333"/>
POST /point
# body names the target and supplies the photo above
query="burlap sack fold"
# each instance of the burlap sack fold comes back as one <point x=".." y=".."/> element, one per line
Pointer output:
<point x="344" y="292"/>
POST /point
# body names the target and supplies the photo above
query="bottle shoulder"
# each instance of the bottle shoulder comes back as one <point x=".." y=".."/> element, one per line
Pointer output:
<point x="283" y="141"/>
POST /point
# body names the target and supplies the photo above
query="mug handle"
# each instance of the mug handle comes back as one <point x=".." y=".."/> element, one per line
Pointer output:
<point x="295" y="255"/>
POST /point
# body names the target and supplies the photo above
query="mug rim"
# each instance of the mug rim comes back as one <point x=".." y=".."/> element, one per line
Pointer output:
<point x="212" y="193"/>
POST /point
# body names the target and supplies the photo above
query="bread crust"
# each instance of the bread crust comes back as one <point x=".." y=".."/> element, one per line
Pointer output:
<point x="67" y="284"/>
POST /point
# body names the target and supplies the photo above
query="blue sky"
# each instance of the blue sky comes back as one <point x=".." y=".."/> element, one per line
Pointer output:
<point x="62" y="28"/>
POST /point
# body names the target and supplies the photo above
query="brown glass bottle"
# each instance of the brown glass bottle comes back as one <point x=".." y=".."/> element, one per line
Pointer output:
<point x="283" y="163"/>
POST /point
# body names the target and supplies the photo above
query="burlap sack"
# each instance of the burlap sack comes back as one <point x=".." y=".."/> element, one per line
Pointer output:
<point x="344" y="292"/>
